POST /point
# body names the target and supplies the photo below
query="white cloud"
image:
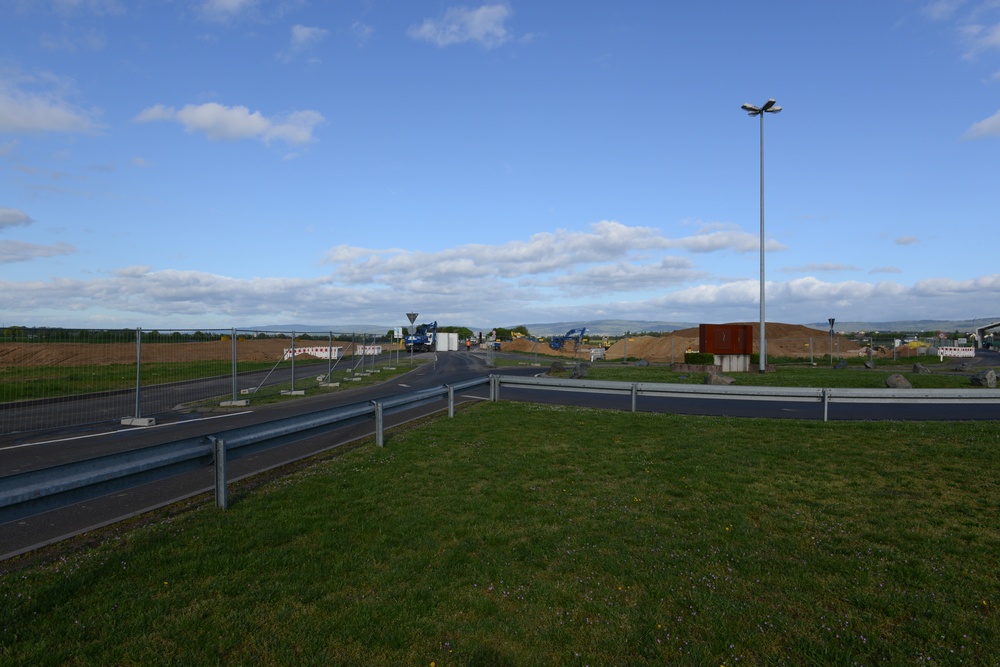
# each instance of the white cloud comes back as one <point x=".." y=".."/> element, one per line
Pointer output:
<point x="484" y="25"/>
<point x="20" y="251"/>
<point x="609" y="270"/>
<point x="907" y="240"/>
<point x="37" y="103"/>
<point x="362" y="32"/>
<point x="222" y="123"/>
<point x="980" y="38"/>
<point x="542" y="253"/>
<point x="12" y="217"/>
<point x="820" y="267"/>
<point x="302" y="39"/>
<point x="610" y="255"/>
<point x="948" y="287"/>
<point x="715" y="237"/>
<point x="988" y="127"/>
<point x="942" y="9"/>
<point x="223" y="10"/>
<point x="627" y="277"/>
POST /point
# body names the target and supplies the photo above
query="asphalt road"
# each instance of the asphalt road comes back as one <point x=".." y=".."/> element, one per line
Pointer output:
<point x="69" y="445"/>
<point x="446" y="368"/>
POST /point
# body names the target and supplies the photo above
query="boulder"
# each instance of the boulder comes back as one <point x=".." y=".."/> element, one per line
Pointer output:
<point x="642" y="363"/>
<point x="580" y="371"/>
<point x="986" y="379"/>
<point x="842" y="364"/>
<point x="897" y="381"/>
<point x="921" y="369"/>
<point x="965" y="367"/>
<point x="558" y="367"/>
<point x="869" y="364"/>
<point x="719" y="379"/>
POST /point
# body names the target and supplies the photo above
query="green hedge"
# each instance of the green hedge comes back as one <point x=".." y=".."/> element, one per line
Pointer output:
<point x="699" y="358"/>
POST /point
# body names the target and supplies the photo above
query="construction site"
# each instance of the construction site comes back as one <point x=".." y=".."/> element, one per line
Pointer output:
<point x="783" y="340"/>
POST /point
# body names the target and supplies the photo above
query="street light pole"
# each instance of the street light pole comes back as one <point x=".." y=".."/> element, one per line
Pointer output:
<point x="767" y="107"/>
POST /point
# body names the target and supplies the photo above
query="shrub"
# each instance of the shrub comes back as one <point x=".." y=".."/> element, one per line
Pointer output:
<point x="700" y="358"/>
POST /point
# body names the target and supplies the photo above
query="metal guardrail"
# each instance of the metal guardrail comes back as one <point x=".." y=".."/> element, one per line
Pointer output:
<point x="51" y="488"/>
<point x="37" y="491"/>
<point x="730" y="392"/>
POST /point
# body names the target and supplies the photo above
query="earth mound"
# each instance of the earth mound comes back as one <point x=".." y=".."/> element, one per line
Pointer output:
<point x="783" y="340"/>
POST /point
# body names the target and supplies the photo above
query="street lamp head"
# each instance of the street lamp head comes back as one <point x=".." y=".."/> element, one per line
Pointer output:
<point x="768" y="107"/>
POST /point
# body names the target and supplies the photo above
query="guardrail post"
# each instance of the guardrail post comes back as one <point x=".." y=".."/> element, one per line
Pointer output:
<point x="221" y="490"/>
<point x="235" y="383"/>
<point x="451" y="401"/>
<point x="379" y="425"/>
<point x="138" y="374"/>
<point x="293" y="362"/>
<point x="826" y="402"/>
<point x="635" y="392"/>
<point x="494" y="388"/>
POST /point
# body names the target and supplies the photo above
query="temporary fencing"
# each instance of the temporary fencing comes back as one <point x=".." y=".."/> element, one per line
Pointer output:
<point x="59" y="378"/>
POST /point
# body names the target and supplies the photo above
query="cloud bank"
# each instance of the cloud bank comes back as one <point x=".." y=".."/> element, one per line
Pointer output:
<point x="609" y="270"/>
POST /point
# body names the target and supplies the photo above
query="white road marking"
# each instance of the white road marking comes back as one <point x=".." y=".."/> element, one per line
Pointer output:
<point x="121" y="430"/>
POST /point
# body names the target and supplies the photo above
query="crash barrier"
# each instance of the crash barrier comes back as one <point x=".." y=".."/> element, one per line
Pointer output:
<point x="28" y="493"/>
<point x="956" y="352"/>
<point x="730" y="392"/>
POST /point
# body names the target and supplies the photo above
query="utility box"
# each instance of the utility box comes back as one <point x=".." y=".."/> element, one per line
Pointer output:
<point x="732" y="345"/>
<point x="725" y="338"/>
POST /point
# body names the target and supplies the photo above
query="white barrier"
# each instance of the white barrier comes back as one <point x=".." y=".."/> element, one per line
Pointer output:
<point x="445" y="341"/>
<point x="323" y="352"/>
<point x="956" y="352"/>
<point x="368" y="350"/>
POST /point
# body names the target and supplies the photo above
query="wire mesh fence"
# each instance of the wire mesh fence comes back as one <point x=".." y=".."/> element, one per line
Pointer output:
<point x="58" y="378"/>
<point x="62" y="378"/>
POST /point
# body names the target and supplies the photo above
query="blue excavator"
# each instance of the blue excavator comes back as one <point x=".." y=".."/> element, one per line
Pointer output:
<point x="424" y="339"/>
<point x="575" y="335"/>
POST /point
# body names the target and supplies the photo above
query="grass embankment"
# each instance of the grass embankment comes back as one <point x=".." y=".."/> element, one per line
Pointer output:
<point x="517" y="534"/>
<point x="785" y="377"/>
<point x="791" y="376"/>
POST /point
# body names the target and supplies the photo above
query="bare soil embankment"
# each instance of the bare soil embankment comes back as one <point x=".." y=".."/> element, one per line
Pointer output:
<point x="783" y="340"/>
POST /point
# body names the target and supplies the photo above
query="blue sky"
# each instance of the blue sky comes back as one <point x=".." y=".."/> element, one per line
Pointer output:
<point x="220" y="163"/>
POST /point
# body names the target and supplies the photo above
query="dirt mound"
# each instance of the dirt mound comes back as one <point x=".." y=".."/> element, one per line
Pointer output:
<point x="783" y="340"/>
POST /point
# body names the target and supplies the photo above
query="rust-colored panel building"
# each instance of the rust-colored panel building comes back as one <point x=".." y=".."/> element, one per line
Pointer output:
<point x="725" y="338"/>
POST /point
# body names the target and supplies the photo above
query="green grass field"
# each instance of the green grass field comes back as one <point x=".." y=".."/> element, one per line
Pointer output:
<point x="791" y="376"/>
<point x="517" y="534"/>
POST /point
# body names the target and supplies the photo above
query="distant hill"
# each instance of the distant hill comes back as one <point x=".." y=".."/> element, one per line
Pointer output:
<point x="947" y="326"/>
<point x="606" y="327"/>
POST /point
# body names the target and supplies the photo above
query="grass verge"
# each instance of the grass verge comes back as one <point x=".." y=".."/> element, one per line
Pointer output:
<point x="517" y="534"/>
<point x="784" y="377"/>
